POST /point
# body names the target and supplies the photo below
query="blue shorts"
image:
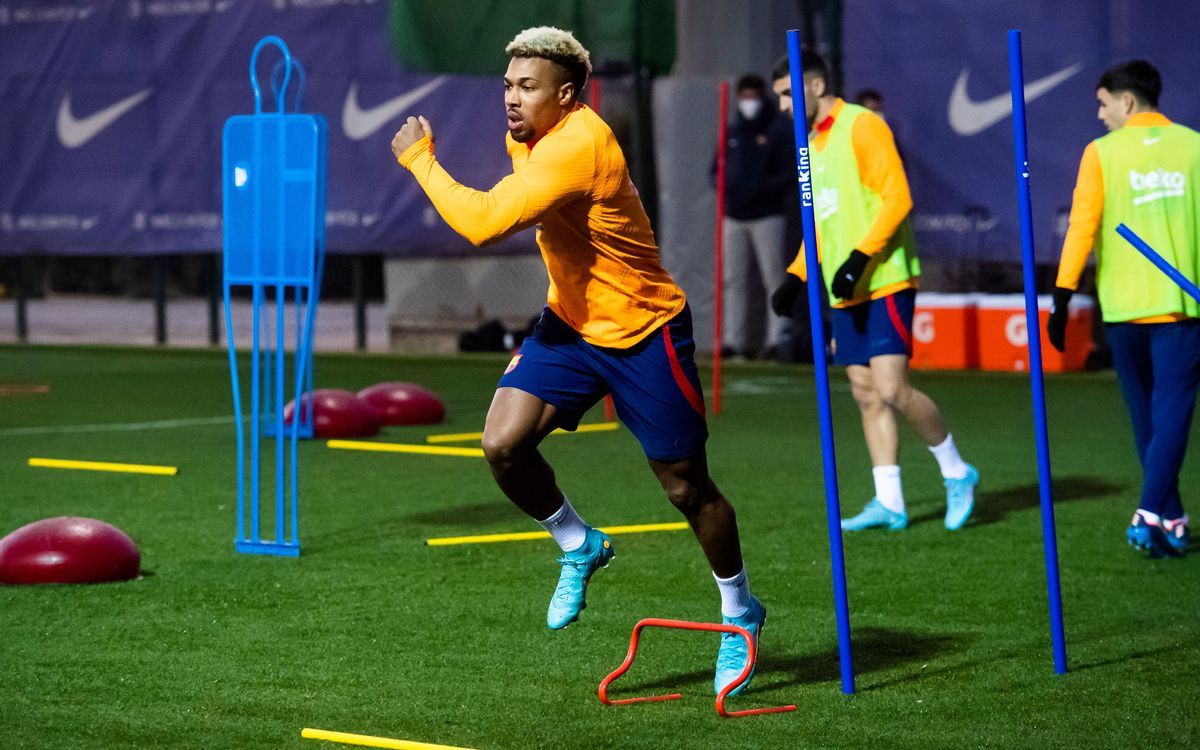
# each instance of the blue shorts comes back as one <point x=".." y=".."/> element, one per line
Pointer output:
<point x="871" y="329"/>
<point x="654" y="384"/>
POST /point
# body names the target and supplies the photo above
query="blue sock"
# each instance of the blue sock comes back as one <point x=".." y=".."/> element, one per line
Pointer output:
<point x="1172" y="509"/>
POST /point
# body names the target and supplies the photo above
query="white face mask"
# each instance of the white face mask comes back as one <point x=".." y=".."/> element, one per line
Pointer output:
<point x="750" y="108"/>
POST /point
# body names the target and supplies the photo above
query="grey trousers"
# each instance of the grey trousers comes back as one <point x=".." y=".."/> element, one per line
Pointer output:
<point x="750" y="245"/>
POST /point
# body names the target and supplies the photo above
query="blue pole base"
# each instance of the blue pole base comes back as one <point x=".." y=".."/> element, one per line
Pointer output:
<point x="303" y="431"/>
<point x="278" y="549"/>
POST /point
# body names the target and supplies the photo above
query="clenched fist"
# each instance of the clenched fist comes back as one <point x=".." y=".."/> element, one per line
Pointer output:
<point x="413" y="130"/>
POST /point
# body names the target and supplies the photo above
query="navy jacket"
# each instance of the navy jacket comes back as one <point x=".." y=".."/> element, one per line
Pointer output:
<point x="760" y="168"/>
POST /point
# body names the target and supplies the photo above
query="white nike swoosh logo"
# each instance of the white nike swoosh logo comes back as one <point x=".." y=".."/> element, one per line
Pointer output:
<point x="359" y="123"/>
<point x="1151" y="141"/>
<point x="73" y="132"/>
<point x="969" y="117"/>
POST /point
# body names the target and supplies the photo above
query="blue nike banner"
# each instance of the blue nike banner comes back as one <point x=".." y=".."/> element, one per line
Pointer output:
<point x="112" y="113"/>
<point x="942" y="67"/>
<point x="110" y="132"/>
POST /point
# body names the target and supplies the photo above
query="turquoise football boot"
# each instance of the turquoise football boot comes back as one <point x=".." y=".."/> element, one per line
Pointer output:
<point x="577" y="568"/>
<point x="960" y="498"/>
<point x="1149" y="538"/>
<point x="875" y="516"/>
<point x="731" y="657"/>
<point x="1177" y="534"/>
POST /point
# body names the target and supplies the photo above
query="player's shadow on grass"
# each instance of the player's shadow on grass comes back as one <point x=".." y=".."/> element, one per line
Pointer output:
<point x="993" y="505"/>
<point x="875" y="649"/>
<point x="358" y="535"/>
<point x="477" y="514"/>
<point x="416" y="525"/>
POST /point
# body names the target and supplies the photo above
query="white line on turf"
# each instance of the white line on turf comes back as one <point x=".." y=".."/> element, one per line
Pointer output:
<point x="162" y="424"/>
<point x="778" y="386"/>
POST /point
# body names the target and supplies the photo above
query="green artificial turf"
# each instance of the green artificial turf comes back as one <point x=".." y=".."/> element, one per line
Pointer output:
<point x="371" y="631"/>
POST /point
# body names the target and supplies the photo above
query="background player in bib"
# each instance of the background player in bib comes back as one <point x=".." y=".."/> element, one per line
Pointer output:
<point x="1145" y="173"/>
<point x="861" y="202"/>
<point x="615" y="322"/>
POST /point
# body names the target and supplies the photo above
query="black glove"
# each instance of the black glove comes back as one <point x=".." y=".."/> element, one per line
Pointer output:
<point x="783" y="299"/>
<point x="1056" y="327"/>
<point x="849" y="274"/>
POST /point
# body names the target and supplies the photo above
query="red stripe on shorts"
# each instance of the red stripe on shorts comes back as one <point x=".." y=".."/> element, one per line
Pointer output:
<point x="677" y="370"/>
<point x="898" y="323"/>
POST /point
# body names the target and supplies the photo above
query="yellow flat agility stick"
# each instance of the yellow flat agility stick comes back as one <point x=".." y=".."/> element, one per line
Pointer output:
<point x="522" y="536"/>
<point x="426" y="450"/>
<point x="61" y="463"/>
<point x="366" y="740"/>
<point x="461" y="437"/>
<point x="454" y="437"/>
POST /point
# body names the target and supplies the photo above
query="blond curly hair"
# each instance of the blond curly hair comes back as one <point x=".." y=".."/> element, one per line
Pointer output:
<point x="559" y="47"/>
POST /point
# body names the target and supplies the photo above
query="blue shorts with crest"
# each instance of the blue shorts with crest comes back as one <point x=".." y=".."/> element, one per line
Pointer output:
<point x="654" y="384"/>
<point x="881" y="326"/>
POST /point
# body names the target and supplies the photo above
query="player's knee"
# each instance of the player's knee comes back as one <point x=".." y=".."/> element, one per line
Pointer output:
<point x="500" y="450"/>
<point x="893" y="394"/>
<point x="866" y="396"/>
<point x="690" y="498"/>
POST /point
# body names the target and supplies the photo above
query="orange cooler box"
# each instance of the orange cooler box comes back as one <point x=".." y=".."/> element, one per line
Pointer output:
<point x="1003" y="335"/>
<point x="945" y="332"/>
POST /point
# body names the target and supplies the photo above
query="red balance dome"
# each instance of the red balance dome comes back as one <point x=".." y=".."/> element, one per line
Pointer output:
<point x="68" y="549"/>
<point x="337" y="414"/>
<point x="403" y="403"/>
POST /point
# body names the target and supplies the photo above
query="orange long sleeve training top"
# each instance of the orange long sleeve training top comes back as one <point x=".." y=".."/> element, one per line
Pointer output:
<point x="606" y="278"/>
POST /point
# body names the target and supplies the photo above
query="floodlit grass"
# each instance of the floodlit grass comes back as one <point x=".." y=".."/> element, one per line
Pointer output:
<point x="371" y="631"/>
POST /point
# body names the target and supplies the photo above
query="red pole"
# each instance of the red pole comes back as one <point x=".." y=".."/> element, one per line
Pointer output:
<point x="594" y="94"/>
<point x="594" y="103"/>
<point x="719" y="270"/>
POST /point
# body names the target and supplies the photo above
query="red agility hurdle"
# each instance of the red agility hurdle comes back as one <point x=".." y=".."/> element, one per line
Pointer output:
<point x="655" y="622"/>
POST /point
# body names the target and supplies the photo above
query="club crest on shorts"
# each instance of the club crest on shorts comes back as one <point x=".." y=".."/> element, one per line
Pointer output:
<point x="512" y="364"/>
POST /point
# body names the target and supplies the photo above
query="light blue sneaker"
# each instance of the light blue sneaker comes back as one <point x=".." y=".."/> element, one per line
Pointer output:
<point x="1149" y="538"/>
<point x="1177" y="534"/>
<point x="960" y="498"/>
<point x="873" y="516"/>
<point x="577" y="568"/>
<point x="731" y="656"/>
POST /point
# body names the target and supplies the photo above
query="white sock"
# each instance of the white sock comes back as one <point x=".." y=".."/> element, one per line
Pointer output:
<point x="887" y="488"/>
<point x="735" y="594"/>
<point x="1152" y="519"/>
<point x="951" y="464"/>
<point x="566" y="527"/>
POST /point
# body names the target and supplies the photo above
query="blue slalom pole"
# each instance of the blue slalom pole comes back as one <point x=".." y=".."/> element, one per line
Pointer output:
<point x="833" y="509"/>
<point x="1171" y="271"/>
<point x="1032" y="325"/>
<point x="256" y="366"/>
<point x="239" y="421"/>
<point x="280" y="435"/>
